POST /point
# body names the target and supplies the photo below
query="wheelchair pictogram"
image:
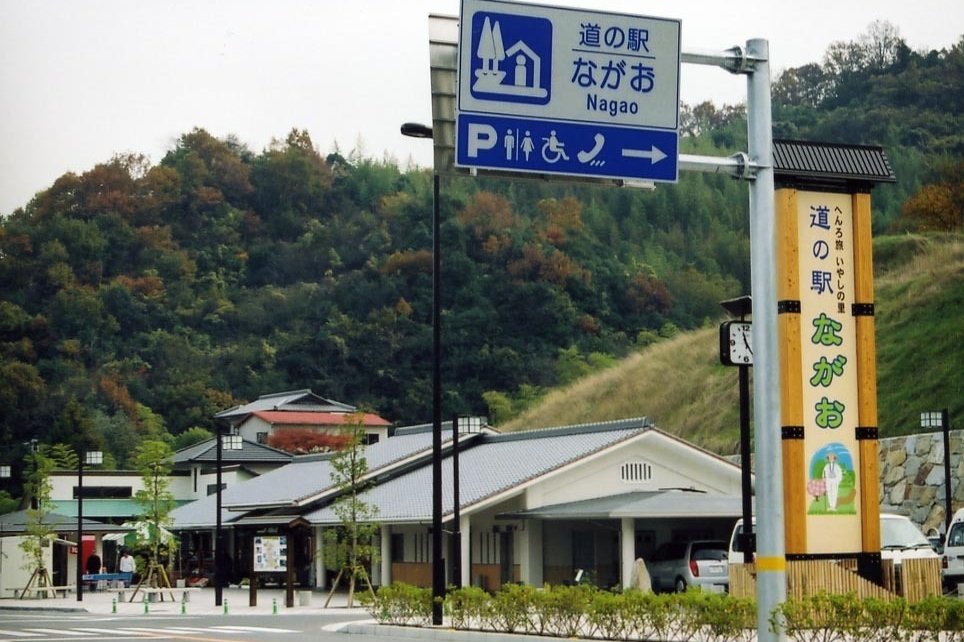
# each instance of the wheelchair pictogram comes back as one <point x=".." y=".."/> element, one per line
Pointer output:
<point x="553" y="149"/>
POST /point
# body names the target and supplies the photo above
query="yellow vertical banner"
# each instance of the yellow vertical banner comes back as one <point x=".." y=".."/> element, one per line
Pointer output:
<point x="791" y="420"/>
<point x="867" y="373"/>
<point x="828" y="374"/>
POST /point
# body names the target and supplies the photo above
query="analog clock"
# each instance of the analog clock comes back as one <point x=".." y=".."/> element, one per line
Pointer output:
<point x="736" y="346"/>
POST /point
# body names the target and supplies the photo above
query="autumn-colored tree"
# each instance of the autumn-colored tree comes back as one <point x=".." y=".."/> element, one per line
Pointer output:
<point x="490" y="219"/>
<point x="301" y="441"/>
<point x="939" y="207"/>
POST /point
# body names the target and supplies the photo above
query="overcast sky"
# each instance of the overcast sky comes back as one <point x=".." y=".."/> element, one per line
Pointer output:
<point x="82" y="80"/>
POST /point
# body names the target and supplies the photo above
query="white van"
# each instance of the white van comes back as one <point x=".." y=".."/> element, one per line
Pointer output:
<point x="900" y="539"/>
<point x="954" y="552"/>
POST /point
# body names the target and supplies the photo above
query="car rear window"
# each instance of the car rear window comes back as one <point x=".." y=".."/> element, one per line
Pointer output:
<point x="956" y="537"/>
<point x="715" y="551"/>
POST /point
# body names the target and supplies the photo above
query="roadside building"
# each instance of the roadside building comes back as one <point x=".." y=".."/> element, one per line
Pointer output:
<point x="535" y="506"/>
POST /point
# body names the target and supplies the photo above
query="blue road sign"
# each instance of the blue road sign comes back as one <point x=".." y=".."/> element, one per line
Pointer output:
<point x="567" y="91"/>
<point x="550" y="147"/>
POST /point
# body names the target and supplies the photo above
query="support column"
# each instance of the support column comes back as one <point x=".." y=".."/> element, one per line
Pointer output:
<point x="386" y="574"/>
<point x="530" y="564"/>
<point x="627" y="552"/>
<point x="465" y="532"/>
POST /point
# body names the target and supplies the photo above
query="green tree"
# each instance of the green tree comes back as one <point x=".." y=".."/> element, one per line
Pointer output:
<point x="350" y="547"/>
<point x="191" y="436"/>
<point x="154" y="460"/>
<point x="37" y="488"/>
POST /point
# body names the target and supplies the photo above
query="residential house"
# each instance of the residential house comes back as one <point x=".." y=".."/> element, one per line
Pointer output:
<point x="299" y="409"/>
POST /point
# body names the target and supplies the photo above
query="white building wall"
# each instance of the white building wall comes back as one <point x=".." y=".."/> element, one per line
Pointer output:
<point x="249" y="429"/>
<point x="670" y="465"/>
<point x="12" y="563"/>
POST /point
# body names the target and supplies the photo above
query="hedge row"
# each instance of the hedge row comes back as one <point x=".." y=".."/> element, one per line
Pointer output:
<point x="587" y="612"/>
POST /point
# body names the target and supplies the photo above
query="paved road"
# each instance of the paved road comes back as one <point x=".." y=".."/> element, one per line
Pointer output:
<point x="46" y="626"/>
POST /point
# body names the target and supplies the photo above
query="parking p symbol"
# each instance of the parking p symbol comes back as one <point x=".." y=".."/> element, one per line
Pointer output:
<point x="481" y="137"/>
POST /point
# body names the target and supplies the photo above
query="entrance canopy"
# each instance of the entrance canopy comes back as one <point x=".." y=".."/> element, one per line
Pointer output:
<point x="659" y="504"/>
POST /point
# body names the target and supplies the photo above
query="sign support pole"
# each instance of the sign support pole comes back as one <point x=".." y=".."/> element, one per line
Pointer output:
<point x="771" y="560"/>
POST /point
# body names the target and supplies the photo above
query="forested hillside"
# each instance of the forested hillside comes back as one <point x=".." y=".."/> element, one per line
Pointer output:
<point x="137" y="300"/>
<point x="680" y="384"/>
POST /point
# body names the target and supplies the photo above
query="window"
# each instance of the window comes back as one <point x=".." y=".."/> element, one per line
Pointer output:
<point x="636" y="472"/>
<point x="371" y="438"/>
<point x="422" y="545"/>
<point x="106" y="492"/>
<point x="488" y="551"/>
<point x="957" y="535"/>
<point x="262" y="437"/>
<point x="213" y="488"/>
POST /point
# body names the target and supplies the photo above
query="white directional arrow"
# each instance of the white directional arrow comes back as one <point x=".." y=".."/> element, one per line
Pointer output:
<point x="654" y="155"/>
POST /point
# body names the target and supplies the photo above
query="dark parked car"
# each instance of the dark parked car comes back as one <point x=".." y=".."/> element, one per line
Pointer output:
<point x="675" y="566"/>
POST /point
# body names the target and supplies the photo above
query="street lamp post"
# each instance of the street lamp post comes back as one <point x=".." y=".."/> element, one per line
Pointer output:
<point x="940" y="419"/>
<point x="469" y="425"/>
<point x="89" y="458"/>
<point x="416" y="130"/>
<point x="6" y="472"/>
<point x="224" y="442"/>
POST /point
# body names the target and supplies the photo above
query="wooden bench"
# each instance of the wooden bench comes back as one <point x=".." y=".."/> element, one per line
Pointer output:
<point x="41" y="589"/>
<point x="185" y="592"/>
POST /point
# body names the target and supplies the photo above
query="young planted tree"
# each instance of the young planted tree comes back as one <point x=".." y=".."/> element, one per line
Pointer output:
<point x="349" y="547"/>
<point x="154" y="460"/>
<point x="40" y="532"/>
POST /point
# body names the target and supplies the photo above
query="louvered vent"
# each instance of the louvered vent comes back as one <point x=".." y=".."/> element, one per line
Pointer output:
<point x="636" y="472"/>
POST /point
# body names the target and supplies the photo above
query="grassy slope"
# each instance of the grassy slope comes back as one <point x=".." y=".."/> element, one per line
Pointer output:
<point x="681" y="386"/>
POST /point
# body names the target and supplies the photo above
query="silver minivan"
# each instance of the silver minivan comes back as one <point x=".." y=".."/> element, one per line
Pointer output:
<point x="675" y="566"/>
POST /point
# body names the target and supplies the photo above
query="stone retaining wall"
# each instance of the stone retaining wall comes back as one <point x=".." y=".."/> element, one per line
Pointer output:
<point x="912" y="477"/>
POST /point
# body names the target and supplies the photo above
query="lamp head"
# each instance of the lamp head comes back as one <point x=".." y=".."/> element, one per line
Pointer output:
<point x="416" y="130"/>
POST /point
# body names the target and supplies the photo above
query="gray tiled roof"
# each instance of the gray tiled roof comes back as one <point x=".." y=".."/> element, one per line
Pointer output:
<point x="494" y="464"/>
<point x="201" y="513"/>
<point x="17" y="521"/>
<point x="798" y="159"/>
<point x="291" y="400"/>
<point x="251" y="452"/>
<point x="307" y="477"/>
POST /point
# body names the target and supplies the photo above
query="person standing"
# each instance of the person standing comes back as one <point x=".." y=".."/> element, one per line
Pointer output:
<point x="93" y="564"/>
<point x="127" y="565"/>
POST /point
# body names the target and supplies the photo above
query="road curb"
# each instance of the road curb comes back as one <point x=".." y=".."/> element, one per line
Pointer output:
<point x="432" y="633"/>
<point x="33" y="607"/>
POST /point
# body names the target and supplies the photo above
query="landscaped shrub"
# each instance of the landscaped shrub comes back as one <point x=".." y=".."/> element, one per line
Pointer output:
<point x="564" y="609"/>
<point x="720" y="617"/>
<point x="823" y="617"/>
<point x="608" y="616"/>
<point x="833" y="618"/>
<point x="400" y="604"/>
<point x="469" y="608"/>
<point x="512" y="608"/>
<point x="584" y="611"/>
<point x="927" y="618"/>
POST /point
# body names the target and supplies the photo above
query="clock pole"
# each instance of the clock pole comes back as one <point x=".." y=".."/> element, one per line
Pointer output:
<point x="735" y="350"/>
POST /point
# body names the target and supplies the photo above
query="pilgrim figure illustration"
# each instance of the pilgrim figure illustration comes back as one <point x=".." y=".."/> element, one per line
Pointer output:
<point x="832" y="481"/>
